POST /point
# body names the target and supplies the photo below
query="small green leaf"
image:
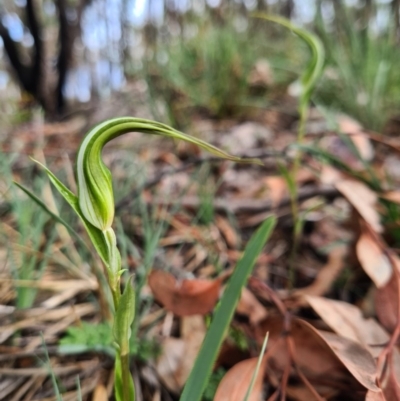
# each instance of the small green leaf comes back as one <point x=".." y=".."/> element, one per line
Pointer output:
<point x="114" y="260"/>
<point x="201" y="371"/>
<point x="96" y="236"/>
<point x="49" y="212"/>
<point x="124" y="318"/>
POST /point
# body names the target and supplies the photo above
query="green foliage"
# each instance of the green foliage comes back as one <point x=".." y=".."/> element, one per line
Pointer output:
<point x="52" y="374"/>
<point x="32" y="223"/>
<point x="88" y="337"/>
<point x="99" y="337"/>
<point x="239" y="338"/>
<point x="209" y="70"/>
<point x="145" y="349"/>
<point x="362" y="79"/>
<point x="213" y="383"/>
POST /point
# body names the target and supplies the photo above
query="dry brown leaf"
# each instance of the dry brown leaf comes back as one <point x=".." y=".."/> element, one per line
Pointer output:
<point x="357" y="359"/>
<point x="321" y="356"/>
<point x="373" y="260"/>
<point x="327" y="275"/>
<point x="230" y="235"/>
<point x="355" y="130"/>
<point x="185" y="297"/>
<point x="193" y="331"/>
<point x="347" y="321"/>
<point x="391" y="386"/>
<point x="173" y="352"/>
<point x="392" y="196"/>
<point x="278" y="189"/>
<point x="100" y="393"/>
<point x="363" y="200"/>
<point x="178" y="355"/>
<point x="235" y="383"/>
<point x="375" y="396"/>
<point x="314" y="359"/>
<point x="250" y="306"/>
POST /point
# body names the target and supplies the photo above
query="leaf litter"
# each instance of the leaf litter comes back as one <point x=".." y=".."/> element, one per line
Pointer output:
<point x="335" y="336"/>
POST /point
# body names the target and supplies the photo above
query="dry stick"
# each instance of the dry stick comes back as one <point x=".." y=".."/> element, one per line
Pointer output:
<point x="257" y="284"/>
<point x="284" y="381"/>
<point x="261" y="286"/>
<point x="274" y="395"/>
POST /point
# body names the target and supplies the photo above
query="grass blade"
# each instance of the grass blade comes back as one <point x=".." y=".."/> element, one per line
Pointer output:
<point x="48" y="211"/>
<point x="202" y="369"/>
<point x="58" y="396"/>
<point x="255" y="374"/>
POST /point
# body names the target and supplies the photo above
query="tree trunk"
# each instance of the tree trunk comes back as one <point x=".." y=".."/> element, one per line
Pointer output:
<point x="33" y="78"/>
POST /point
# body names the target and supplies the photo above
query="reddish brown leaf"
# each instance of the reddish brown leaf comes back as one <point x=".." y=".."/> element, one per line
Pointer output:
<point x="363" y="200"/>
<point x="355" y="357"/>
<point x="321" y="356"/>
<point x="235" y="383"/>
<point x="386" y="303"/>
<point x="347" y="321"/>
<point x="313" y="357"/>
<point x="375" y="396"/>
<point x="185" y="297"/>
<point x="391" y="386"/>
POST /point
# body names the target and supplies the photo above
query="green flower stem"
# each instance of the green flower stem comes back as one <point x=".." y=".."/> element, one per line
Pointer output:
<point x="303" y="111"/>
<point x="95" y="206"/>
<point x="126" y="378"/>
<point x="308" y="81"/>
<point x="113" y="266"/>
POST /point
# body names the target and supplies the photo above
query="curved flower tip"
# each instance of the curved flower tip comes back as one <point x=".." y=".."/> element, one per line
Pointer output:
<point x="95" y="193"/>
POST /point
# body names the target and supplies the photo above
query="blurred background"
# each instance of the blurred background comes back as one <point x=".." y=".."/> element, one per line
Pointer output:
<point x="213" y="70"/>
<point x="193" y="57"/>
